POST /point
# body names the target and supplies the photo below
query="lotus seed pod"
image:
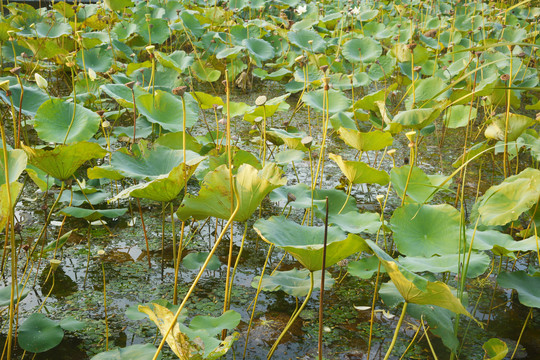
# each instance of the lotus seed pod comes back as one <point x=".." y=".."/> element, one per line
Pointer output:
<point x="54" y="264"/>
<point x="101" y="252"/>
<point x="130" y="84"/>
<point x="380" y="198"/>
<point x="180" y="90"/>
<point x="16" y="70"/>
<point x="290" y="197"/>
<point x="150" y="49"/>
<point x="307" y="141"/>
<point x="391" y="152"/>
<point x="260" y="101"/>
<point x="258" y="119"/>
<point x="410" y="135"/>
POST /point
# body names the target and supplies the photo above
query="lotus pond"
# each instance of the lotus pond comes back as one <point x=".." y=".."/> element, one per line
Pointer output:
<point x="282" y="179"/>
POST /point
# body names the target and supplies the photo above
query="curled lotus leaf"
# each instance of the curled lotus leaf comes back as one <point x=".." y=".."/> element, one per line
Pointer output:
<point x="305" y="243"/>
<point x="295" y="282"/>
<point x="527" y="286"/>
<point x="62" y="161"/>
<point x="365" y="141"/>
<point x="214" y="198"/>
<point x="165" y="187"/>
<point x="358" y="172"/>
<point x="505" y="202"/>
<point x="133" y="352"/>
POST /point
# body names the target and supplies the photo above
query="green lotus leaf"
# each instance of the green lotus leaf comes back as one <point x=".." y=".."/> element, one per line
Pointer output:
<point x="305" y="243"/>
<point x="352" y="221"/>
<point x="149" y="163"/>
<point x="289" y="156"/>
<point x="459" y="116"/>
<point x="77" y="198"/>
<point x="424" y="90"/>
<point x="98" y="59"/>
<point x="527" y="286"/>
<point x="72" y="324"/>
<point x="122" y="94"/>
<point x="259" y="48"/>
<point x="336" y="101"/>
<point x="365" y="50"/>
<point x="365" y="267"/>
<point x="214" y="325"/>
<point x="16" y="165"/>
<point x="415" y="118"/>
<point x="369" y="101"/>
<point x="33" y="98"/>
<point x="214" y="198"/>
<point x="293" y="140"/>
<point x="166" y="110"/>
<point x="499" y="243"/>
<point x="426" y="230"/>
<point x="307" y="40"/>
<point x="62" y="161"/>
<point x="92" y="215"/>
<point x="175" y="141"/>
<point x="132" y="352"/>
<point x="165" y="187"/>
<point x="5" y="294"/>
<point x="207" y="101"/>
<point x="421" y="186"/>
<point x="365" y="141"/>
<point x="39" y="333"/>
<point x="177" y="60"/>
<point x="205" y="72"/>
<point x="342" y="120"/>
<point x="516" y="125"/>
<point x="295" y="282"/>
<point x="155" y="31"/>
<point x="358" y="172"/>
<point x="495" y="349"/>
<point x="308" y="74"/>
<point x="61" y="122"/>
<point x="478" y="264"/>
<point x="195" y="260"/>
<point x="46" y="30"/>
<point x="418" y="290"/>
<point x="104" y="172"/>
<point x="302" y="192"/>
<point x="117" y="5"/>
<point x="505" y="202"/>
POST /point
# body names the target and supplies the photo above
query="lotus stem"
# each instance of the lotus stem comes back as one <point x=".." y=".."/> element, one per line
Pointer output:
<point x="321" y="296"/>
<point x="173" y="230"/>
<point x="372" y="316"/>
<point x="105" y="303"/>
<point x="396" y="332"/>
<point x="529" y="316"/>
<point x="177" y="264"/>
<point x="145" y="234"/>
<point x="236" y="263"/>
<point x="427" y="338"/>
<point x="293" y="318"/>
<point x="508" y="99"/>
<point x="259" y="285"/>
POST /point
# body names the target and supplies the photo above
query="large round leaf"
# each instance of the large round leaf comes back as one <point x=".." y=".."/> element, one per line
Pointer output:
<point x="39" y="333"/>
<point x="336" y="101"/>
<point x="420" y="188"/>
<point x="305" y="243"/>
<point x="426" y="230"/>
<point x="259" y="48"/>
<point x="62" y="161"/>
<point x="60" y="121"/>
<point x="365" y="141"/>
<point x="516" y="125"/>
<point x="98" y="59"/>
<point x="364" y="50"/>
<point x="166" y="110"/>
<point x="307" y="40"/>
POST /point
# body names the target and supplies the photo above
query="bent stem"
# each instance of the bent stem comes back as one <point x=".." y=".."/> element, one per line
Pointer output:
<point x="293" y="318"/>
<point x="529" y="316"/>
<point x="396" y="332"/>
